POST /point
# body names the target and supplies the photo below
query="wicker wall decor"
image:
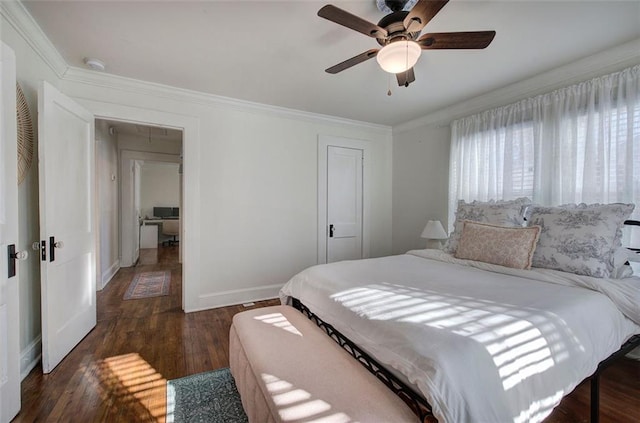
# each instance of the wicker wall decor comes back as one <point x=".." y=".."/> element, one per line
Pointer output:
<point x="25" y="135"/>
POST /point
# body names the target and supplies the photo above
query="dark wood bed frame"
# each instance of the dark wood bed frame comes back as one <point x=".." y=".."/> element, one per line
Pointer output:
<point x="414" y="400"/>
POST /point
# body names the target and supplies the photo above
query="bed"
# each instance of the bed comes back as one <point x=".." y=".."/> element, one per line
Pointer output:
<point x="477" y="341"/>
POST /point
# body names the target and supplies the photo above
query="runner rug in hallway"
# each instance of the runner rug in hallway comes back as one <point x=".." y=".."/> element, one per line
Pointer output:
<point x="149" y="284"/>
<point x="210" y="397"/>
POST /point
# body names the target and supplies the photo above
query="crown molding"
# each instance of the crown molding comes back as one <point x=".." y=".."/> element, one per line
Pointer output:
<point x="607" y="61"/>
<point x="136" y="86"/>
<point x="19" y="18"/>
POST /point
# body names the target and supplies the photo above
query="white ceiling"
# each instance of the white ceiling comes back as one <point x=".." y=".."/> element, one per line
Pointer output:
<point x="275" y="52"/>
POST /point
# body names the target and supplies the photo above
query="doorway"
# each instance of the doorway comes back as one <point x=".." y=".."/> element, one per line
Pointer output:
<point x="157" y="194"/>
<point x="126" y="152"/>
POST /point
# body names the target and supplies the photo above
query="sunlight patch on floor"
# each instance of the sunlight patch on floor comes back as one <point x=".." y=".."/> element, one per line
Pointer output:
<point x="136" y="385"/>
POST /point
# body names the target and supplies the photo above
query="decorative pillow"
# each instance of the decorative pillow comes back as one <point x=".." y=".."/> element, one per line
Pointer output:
<point x="503" y="213"/>
<point x="580" y="239"/>
<point x="506" y="246"/>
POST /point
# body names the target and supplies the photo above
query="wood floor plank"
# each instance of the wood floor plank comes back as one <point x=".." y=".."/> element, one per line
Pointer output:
<point x="118" y="373"/>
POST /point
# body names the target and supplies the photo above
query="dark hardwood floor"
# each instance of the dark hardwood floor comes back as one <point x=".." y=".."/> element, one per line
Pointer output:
<point x="118" y="373"/>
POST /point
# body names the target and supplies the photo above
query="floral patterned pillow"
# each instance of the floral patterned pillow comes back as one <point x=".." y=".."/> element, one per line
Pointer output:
<point x="580" y="239"/>
<point x="505" y="246"/>
<point x="502" y="213"/>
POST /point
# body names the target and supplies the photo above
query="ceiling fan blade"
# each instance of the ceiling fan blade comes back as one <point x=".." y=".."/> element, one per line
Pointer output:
<point x="405" y="78"/>
<point x="456" y="40"/>
<point x="422" y="13"/>
<point x="344" y="18"/>
<point x="353" y="61"/>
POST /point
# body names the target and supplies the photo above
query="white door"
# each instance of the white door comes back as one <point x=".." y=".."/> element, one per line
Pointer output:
<point x="9" y="317"/>
<point x="344" y="203"/>
<point x="137" y="212"/>
<point x="127" y="211"/>
<point x="67" y="225"/>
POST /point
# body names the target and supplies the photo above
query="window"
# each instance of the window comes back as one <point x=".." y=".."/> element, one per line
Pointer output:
<point x="576" y="144"/>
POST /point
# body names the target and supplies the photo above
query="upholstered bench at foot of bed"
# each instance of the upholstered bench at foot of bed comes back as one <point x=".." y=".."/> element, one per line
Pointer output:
<point x="288" y="370"/>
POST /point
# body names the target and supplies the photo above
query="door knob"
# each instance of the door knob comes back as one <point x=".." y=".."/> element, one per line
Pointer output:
<point x="20" y="255"/>
<point x="35" y="246"/>
<point x="58" y="244"/>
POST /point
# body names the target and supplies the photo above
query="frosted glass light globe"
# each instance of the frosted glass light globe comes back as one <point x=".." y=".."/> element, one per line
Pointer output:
<point x="398" y="56"/>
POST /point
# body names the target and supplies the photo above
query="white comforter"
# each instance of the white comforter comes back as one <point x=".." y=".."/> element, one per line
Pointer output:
<point x="481" y="342"/>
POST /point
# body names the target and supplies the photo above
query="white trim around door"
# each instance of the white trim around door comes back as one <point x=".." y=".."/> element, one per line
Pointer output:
<point x="190" y="216"/>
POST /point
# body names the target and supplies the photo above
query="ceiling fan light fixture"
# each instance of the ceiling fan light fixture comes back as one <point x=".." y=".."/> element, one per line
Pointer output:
<point x="399" y="56"/>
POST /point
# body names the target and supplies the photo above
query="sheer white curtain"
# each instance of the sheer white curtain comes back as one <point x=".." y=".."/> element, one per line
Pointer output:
<point x="576" y="144"/>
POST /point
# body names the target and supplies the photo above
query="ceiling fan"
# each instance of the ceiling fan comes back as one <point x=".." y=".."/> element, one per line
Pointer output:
<point x="398" y="34"/>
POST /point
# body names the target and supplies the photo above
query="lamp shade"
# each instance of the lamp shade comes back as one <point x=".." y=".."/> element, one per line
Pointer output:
<point x="434" y="230"/>
<point x="398" y="56"/>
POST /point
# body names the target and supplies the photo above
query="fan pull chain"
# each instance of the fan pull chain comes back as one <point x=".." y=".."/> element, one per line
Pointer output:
<point x="389" y="86"/>
<point x="406" y="72"/>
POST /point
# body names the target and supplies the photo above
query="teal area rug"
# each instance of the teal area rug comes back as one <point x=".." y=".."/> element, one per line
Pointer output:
<point x="210" y="397"/>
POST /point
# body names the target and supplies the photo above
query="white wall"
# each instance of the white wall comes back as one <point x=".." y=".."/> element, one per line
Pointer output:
<point x="159" y="186"/>
<point x="420" y="183"/>
<point x="250" y="183"/>
<point x="31" y="68"/>
<point x="107" y="179"/>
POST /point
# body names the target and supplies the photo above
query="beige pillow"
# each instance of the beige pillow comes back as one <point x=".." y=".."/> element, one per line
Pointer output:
<point x="505" y="246"/>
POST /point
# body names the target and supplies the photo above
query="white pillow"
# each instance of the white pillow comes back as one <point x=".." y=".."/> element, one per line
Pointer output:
<point x="502" y="213"/>
<point x="580" y="239"/>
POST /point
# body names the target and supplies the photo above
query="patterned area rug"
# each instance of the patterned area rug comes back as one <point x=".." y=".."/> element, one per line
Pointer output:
<point x="210" y="397"/>
<point x="149" y="284"/>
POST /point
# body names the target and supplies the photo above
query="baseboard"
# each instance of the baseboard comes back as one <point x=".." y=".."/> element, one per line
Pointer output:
<point x="30" y="357"/>
<point x="236" y="296"/>
<point x="109" y="274"/>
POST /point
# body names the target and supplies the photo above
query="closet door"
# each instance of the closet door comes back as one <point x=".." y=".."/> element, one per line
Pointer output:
<point x="344" y="203"/>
